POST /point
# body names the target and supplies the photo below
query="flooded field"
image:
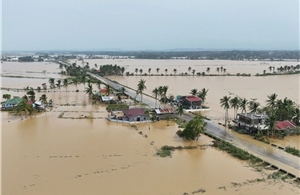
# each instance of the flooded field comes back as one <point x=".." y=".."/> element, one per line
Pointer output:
<point x="48" y="154"/>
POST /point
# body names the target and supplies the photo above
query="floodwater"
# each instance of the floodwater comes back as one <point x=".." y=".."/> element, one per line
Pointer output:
<point x="48" y="154"/>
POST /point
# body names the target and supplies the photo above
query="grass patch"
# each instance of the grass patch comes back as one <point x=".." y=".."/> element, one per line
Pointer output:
<point x="166" y="151"/>
<point x="292" y="151"/>
<point x="114" y="107"/>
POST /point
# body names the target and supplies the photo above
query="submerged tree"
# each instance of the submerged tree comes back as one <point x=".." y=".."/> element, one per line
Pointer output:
<point x="225" y="103"/>
<point x="193" y="129"/>
<point x="141" y="87"/>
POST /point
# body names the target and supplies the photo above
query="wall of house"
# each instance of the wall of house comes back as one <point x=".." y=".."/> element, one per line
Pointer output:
<point x="141" y="117"/>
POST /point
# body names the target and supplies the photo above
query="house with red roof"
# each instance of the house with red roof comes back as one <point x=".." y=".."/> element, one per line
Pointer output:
<point x="135" y="115"/>
<point x="285" y="125"/>
<point x="190" y="102"/>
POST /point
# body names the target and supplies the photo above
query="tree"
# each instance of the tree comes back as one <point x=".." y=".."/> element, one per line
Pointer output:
<point x="193" y="72"/>
<point x="157" y="70"/>
<point x="218" y="70"/>
<point x="165" y="89"/>
<point x="43" y="99"/>
<point x="179" y="110"/>
<point x="243" y="104"/>
<point x="225" y="104"/>
<point x="155" y="93"/>
<point x="202" y="94"/>
<point x="141" y="87"/>
<point x="271" y="121"/>
<point x="166" y="70"/>
<point x="207" y="70"/>
<point x="23" y="107"/>
<point x="189" y="69"/>
<point x="75" y="82"/>
<point x="136" y="70"/>
<point x="58" y="82"/>
<point x="38" y="89"/>
<point x="122" y="90"/>
<point x="193" y="129"/>
<point x="31" y="95"/>
<point x="175" y="71"/>
<point x="89" y="90"/>
<point x="6" y="96"/>
<point x="141" y="71"/>
<point x="234" y="103"/>
<point x="51" y="82"/>
<point x="149" y="70"/>
<point x="194" y="91"/>
<point x="296" y="116"/>
<point x="253" y="106"/>
<point x="271" y="101"/>
<point x="65" y="83"/>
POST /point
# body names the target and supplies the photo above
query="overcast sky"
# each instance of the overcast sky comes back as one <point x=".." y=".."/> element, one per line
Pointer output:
<point x="149" y="24"/>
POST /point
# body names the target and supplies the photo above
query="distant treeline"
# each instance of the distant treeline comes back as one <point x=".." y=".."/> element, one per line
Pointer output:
<point x="211" y="55"/>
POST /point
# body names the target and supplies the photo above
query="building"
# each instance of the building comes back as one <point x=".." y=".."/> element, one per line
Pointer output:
<point x="9" y="104"/>
<point x="164" y="113"/>
<point x="286" y="125"/>
<point x="251" y="121"/>
<point x="135" y="114"/>
<point x="190" y="102"/>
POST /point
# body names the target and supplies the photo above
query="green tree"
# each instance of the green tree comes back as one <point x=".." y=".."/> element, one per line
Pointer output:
<point x="189" y="69"/>
<point x="6" y="96"/>
<point x="234" y="103"/>
<point x="193" y="129"/>
<point x="243" y="105"/>
<point x="296" y="116"/>
<point x="271" y="122"/>
<point x="202" y="94"/>
<point x="207" y="70"/>
<point x="271" y="101"/>
<point x="157" y="70"/>
<point x="43" y="99"/>
<point x="175" y="71"/>
<point x="253" y="106"/>
<point x="31" y="95"/>
<point x="89" y="90"/>
<point x="194" y="91"/>
<point x="225" y="103"/>
<point x="180" y="110"/>
<point x="51" y="82"/>
<point x="141" y="87"/>
<point x="155" y="93"/>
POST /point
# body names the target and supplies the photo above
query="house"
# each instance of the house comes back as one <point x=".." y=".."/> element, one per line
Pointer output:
<point x="135" y="114"/>
<point x="251" y="121"/>
<point x="285" y="126"/>
<point x="190" y="102"/>
<point x="164" y="113"/>
<point x="9" y="104"/>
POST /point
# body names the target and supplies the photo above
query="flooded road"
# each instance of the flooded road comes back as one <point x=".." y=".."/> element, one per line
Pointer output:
<point x="46" y="154"/>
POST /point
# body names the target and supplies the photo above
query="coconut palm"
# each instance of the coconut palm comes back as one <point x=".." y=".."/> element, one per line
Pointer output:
<point x="166" y="70"/>
<point x="38" y="89"/>
<point x="179" y="110"/>
<point x="189" y="69"/>
<point x="234" y="103"/>
<point x="175" y="71"/>
<point x="58" y="83"/>
<point x="89" y="90"/>
<point x="108" y="89"/>
<point x="207" y="70"/>
<point x="165" y="89"/>
<point x="157" y="70"/>
<point x="218" y="70"/>
<point x="155" y="94"/>
<point x="253" y="106"/>
<point x="6" y="96"/>
<point x="243" y="105"/>
<point x="141" y="71"/>
<point x="51" y="82"/>
<point x="296" y="116"/>
<point x="194" y="91"/>
<point x="225" y="103"/>
<point x="149" y="70"/>
<point x="136" y="70"/>
<point x="23" y="107"/>
<point x="65" y="83"/>
<point x="141" y="87"/>
<point x="161" y="92"/>
<point x="272" y="100"/>
<point x="193" y="72"/>
<point x="31" y="95"/>
<point x="75" y="81"/>
<point x="43" y="99"/>
<point x="202" y="94"/>
<point x="271" y="122"/>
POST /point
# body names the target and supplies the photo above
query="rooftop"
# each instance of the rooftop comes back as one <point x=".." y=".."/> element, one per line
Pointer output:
<point x="132" y="112"/>
<point x="193" y="98"/>
<point x="253" y="115"/>
<point x="283" y="125"/>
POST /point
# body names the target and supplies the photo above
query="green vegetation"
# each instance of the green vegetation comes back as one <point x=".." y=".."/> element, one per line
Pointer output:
<point x="166" y="150"/>
<point x="292" y="151"/>
<point x="193" y="129"/>
<point x="115" y="107"/>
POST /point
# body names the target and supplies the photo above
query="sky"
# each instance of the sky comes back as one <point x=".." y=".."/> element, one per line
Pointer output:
<point x="32" y="25"/>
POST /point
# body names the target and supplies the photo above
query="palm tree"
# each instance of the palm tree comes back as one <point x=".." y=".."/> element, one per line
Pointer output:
<point x="23" y="107"/>
<point x="89" y="90"/>
<point x="234" y="103"/>
<point x="38" y="89"/>
<point x="271" y="121"/>
<point x="194" y="91"/>
<point x="189" y="69"/>
<point x="161" y="92"/>
<point x="243" y="105"/>
<point x="157" y="70"/>
<point x="149" y="70"/>
<point x="174" y="70"/>
<point x="51" y="82"/>
<point x="224" y="70"/>
<point x="141" y="87"/>
<point x="155" y="93"/>
<point x="31" y="95"/>
<point x="6" y="96"/>
<point x="225" y="104"/>
<point x="166" y="70"/>
<point x="65" y="83"/>
<point x="218" y="70"/>
<point x="136" y="70"/>
<point x="75" y="82"/>
<point x="207" y="70"/>
<point x="141" y="71"/>
<point x="108" y="89"/>
<point x="253" y="106"/>
<point x="296" y="116"/>
<point x="202" y="94"/>
<point x="193" y="72"/>
<point x="272" y="100"/>
<point x="58" y="82"/>
<point x="165" y="89"/>
<point x="179" y="110"/>
<point x="43" y="99"/>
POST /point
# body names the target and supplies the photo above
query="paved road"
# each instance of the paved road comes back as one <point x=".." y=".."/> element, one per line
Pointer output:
<point x="266" y="152"/>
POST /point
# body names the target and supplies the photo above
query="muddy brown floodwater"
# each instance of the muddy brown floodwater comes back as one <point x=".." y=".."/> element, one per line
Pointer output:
<point x="47" y="154"/>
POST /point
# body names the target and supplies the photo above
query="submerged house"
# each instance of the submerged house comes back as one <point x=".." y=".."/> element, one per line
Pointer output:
<point x="11" y="103"/>
<point x="251" y="121"/>
<point x="287" y="126"/>
<point x="135" y="114"/>
<point x="164" y="113"/>
<point x="190" y="102"/>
